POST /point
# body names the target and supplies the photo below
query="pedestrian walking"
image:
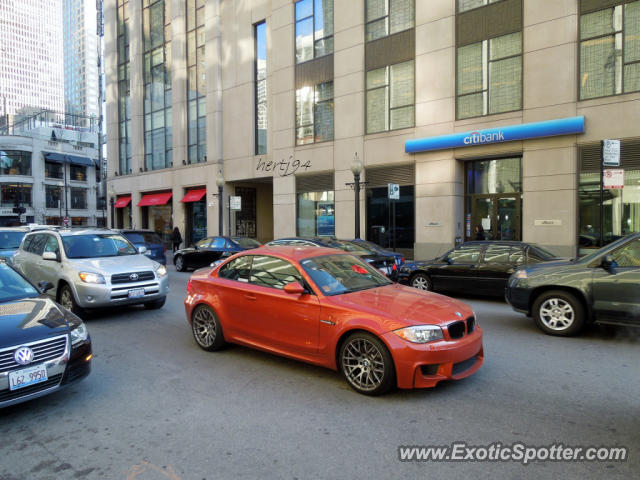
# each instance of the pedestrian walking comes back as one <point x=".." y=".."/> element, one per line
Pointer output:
<point x="176" y="239"/>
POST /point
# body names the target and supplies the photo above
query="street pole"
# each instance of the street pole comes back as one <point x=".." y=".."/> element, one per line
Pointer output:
<point x="220" y="201"/>
<point x="112" y="203"/>
<point x="601" y="193"/>
<point x="356" y="189"/>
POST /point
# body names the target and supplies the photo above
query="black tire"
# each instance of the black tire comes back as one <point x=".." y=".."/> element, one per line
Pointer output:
<point x="421" y="281"/>
<point x="358" y="355"/>
<point x="558" y="313"/>
<point x="155" y="304"/>
<point x="68" y="301"/>
<point x="206" y="329"/>
<point x="179" y="263"/>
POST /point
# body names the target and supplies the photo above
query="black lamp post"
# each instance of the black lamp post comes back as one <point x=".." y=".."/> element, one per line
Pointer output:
<point x="220" y="184"/>
<point x="112" y="202"/>
<point x="356" y="169"/>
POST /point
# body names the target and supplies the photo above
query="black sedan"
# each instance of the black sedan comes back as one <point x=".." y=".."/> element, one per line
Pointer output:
<point x="603" y="287"/>
<point x="43" y="347"/>
<point x="210" y="249"/>
<point x="384" y="262"/>
<point x="481" y="268"/>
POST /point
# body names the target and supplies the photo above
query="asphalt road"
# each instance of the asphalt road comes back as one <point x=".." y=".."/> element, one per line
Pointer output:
<point x="158" y="407"/>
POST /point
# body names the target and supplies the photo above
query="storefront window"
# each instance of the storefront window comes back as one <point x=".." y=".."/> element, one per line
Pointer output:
<point x="78" y="172"/>
<point x="391" y="224"/>
<point x="159" y="219"/>
<point x="79" y="198"/>
<point x="15" y="162"/>
<point x="316" y="214"/>
<point x="53" y="196"/>
<point x="53" y="170"/>
<point x="15" y="194"/>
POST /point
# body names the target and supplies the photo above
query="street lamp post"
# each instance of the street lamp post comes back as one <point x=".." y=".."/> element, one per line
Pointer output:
<point x="220" y="184"/>
<point x="112" y="201"/>
<point x="356" y="169"/>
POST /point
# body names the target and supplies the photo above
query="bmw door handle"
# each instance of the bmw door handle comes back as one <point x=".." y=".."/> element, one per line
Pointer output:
<point x="250" y="297"/>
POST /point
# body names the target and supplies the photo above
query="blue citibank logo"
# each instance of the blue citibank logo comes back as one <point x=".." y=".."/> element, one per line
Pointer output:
<point x="512" y="133"/>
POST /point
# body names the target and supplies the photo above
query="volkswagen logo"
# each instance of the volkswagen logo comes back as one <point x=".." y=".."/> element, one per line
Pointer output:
<point x="23" y="356"/>
<point x="459" y="314"/>
<point x="133" y="277"/>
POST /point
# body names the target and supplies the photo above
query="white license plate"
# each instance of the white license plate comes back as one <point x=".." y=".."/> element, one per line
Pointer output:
<point x="27" y="376"/>
<point x="136" y="293"/>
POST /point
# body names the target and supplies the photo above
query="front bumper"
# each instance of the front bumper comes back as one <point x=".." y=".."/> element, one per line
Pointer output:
<point x="105" y="295"/>
<point x="72" y="366"/>
<point x="424" y="365"/>
<point x="519" y="299"/>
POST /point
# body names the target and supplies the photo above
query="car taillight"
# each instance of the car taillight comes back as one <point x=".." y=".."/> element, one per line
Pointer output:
<point x="189" y="286"/>
<point x="395" y="267"/>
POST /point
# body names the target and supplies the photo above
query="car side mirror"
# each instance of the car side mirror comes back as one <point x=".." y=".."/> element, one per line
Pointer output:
<point x="142" y="249"/>
<point x="50" y="256"/>
<point x="45" y="286"/>
<point x="294" y="288"/>
<point x="608" y="262"/>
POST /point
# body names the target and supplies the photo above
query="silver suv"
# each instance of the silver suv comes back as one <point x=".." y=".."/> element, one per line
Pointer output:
<point x="92" y="268"/>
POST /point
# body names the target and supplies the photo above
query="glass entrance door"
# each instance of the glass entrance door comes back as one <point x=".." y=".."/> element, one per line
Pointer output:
<point x="493" y="217"/>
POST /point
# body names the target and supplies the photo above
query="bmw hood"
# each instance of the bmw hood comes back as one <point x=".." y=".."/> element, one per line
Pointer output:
<point x="114" y="265"/>
<point x="31" y="319"/>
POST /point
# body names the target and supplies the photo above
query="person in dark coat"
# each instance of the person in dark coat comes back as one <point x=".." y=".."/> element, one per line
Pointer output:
<point x="176" y="239"/>
<point x="479" y="233"/>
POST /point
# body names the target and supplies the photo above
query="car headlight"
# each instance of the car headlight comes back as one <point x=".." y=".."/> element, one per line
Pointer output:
<point x="89" y="277"/>
<point x="161" y="271"/>
<point x="79" y="334"/>
<point x="521" y="274"/>
<point x="405" y="269"/>
<point x="420" y="333"/>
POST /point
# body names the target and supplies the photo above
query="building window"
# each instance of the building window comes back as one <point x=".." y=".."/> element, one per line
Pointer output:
<point x="158" y="139"/>
<point x="390" y="97"/>
<point x="610" y="51"/>
<point x="53" y="196"/>
<point x="15" y="194"/>
<point x="124" y="91"/>
<point x="489" y="78"/>
<point x="314" y="29"/>
<point x="196" y="84"/>
<point x="464" y="5"/>
<point x="79" y="198"/>
<point x="260" y="70"/>
<point x="53" y="170"/>
<point x="78" y="173"/>
<point x="386" y="17"/>
<point x="314" y="113"/>
<point x="15" y="162"/>
<point x="316" y="214"/>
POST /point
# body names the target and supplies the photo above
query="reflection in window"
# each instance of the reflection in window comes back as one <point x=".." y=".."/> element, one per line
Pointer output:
<point x="386" y="17"/>
<point x="261" y="88"/>
<point x="610" y="51"/>
<point x="316" y="214"/>
<point x="494" y="176"/>
<point x="390" y="97"/>
<point x="464" y="5"/>
<point x="196" y="82"/>
<point x="314" y="113"/>
<point x="273" y="272"/>
<point x="124" y="90"/>
<point x="490" y="76"/>
<point x="314" y="29"/>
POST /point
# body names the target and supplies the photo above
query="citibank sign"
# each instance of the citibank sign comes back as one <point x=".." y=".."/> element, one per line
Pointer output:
<point x="511" y="133"/>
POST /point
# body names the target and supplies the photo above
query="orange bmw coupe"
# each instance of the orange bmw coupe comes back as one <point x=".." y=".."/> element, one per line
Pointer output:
<point x="328" y="308"/>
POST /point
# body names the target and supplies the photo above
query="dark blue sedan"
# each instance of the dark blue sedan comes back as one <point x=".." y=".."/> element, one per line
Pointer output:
<point x="210" y="249"/>
<point x="374" y="247"/>
<point x="10" y="239"/>
<point x="149" y="239"/>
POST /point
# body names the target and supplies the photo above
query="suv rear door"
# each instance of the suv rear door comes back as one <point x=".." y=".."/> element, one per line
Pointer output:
<point x="29" y="254"/>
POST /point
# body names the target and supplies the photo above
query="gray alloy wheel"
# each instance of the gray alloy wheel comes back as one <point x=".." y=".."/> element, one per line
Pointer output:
<point x="206" y="329"/>
<point x="179" y="262"/>
<point x="558" y="313"/>
<point x="421" y="281"/>
<point x="367" y="364"/>
<point x="68" y="301"/>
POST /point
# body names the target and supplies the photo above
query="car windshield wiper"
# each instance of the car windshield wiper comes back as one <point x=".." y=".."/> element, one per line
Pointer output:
<point x="359" y="289"/>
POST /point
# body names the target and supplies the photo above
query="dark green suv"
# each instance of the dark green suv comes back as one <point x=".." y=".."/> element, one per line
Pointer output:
<point x="603" y="287"/>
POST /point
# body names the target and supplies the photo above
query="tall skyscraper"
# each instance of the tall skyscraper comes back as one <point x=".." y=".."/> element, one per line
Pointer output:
<point x="80" y="58"/>
<point x="31" y="53"/>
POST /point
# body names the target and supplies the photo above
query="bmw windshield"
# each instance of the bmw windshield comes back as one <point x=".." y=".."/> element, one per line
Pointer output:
<point x="338" y="274"/>
<point x="97" y="245"/>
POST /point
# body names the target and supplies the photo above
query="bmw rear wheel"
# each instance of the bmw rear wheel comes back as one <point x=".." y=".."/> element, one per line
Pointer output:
<point x="558" y="313"/>
<point x="421" y="282"/>
<point x="206" y="329"/>
<point x="179" y="263"/>
<point x="367" y="364"/>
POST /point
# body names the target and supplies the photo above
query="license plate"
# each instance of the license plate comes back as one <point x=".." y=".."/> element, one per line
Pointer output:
<point x="27" y="376"/>
<point x="136" y="292"/>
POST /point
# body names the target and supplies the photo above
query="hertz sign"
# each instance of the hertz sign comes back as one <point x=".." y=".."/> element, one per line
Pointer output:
<point x="512" y="133"/>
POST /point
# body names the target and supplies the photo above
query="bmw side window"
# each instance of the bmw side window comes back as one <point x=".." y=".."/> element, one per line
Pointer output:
<point x="629" y="255"/>
<point x="237" y="269"/>
<point x="273" y="272"/>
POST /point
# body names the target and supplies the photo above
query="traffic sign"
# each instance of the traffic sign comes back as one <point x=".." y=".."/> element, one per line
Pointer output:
<point x="66" y="221"/>
<point x="611" y="153"/>
<point x="394" y="191"/>
<point x="235" y="203"/>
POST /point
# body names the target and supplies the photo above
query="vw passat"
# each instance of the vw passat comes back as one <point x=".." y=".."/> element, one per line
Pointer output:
<point x="334" y="310"/>
<point x="43" y="347"/>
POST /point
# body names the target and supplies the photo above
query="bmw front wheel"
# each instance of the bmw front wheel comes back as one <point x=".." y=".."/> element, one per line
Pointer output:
<point x="367" y="364"/>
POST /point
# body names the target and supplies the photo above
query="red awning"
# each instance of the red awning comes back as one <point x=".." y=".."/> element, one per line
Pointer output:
<point x="154" y="199"/>
<point x="194" y="195"/>
<point x="122" y="201"/>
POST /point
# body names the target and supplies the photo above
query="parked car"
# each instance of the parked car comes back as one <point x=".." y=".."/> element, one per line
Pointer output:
<point x="210" y="249"/>
<point x="43" y="347"/>
<point x="150" y="240"/>
<point x="10" y="239"/>
<point x="384" y="262"/>
<point x="480" y="267"/>
<point x="92" y="268"/>
<point x="374" y="247"/>
<point x="329" y="308"/>
<point x="562" y="297"/>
